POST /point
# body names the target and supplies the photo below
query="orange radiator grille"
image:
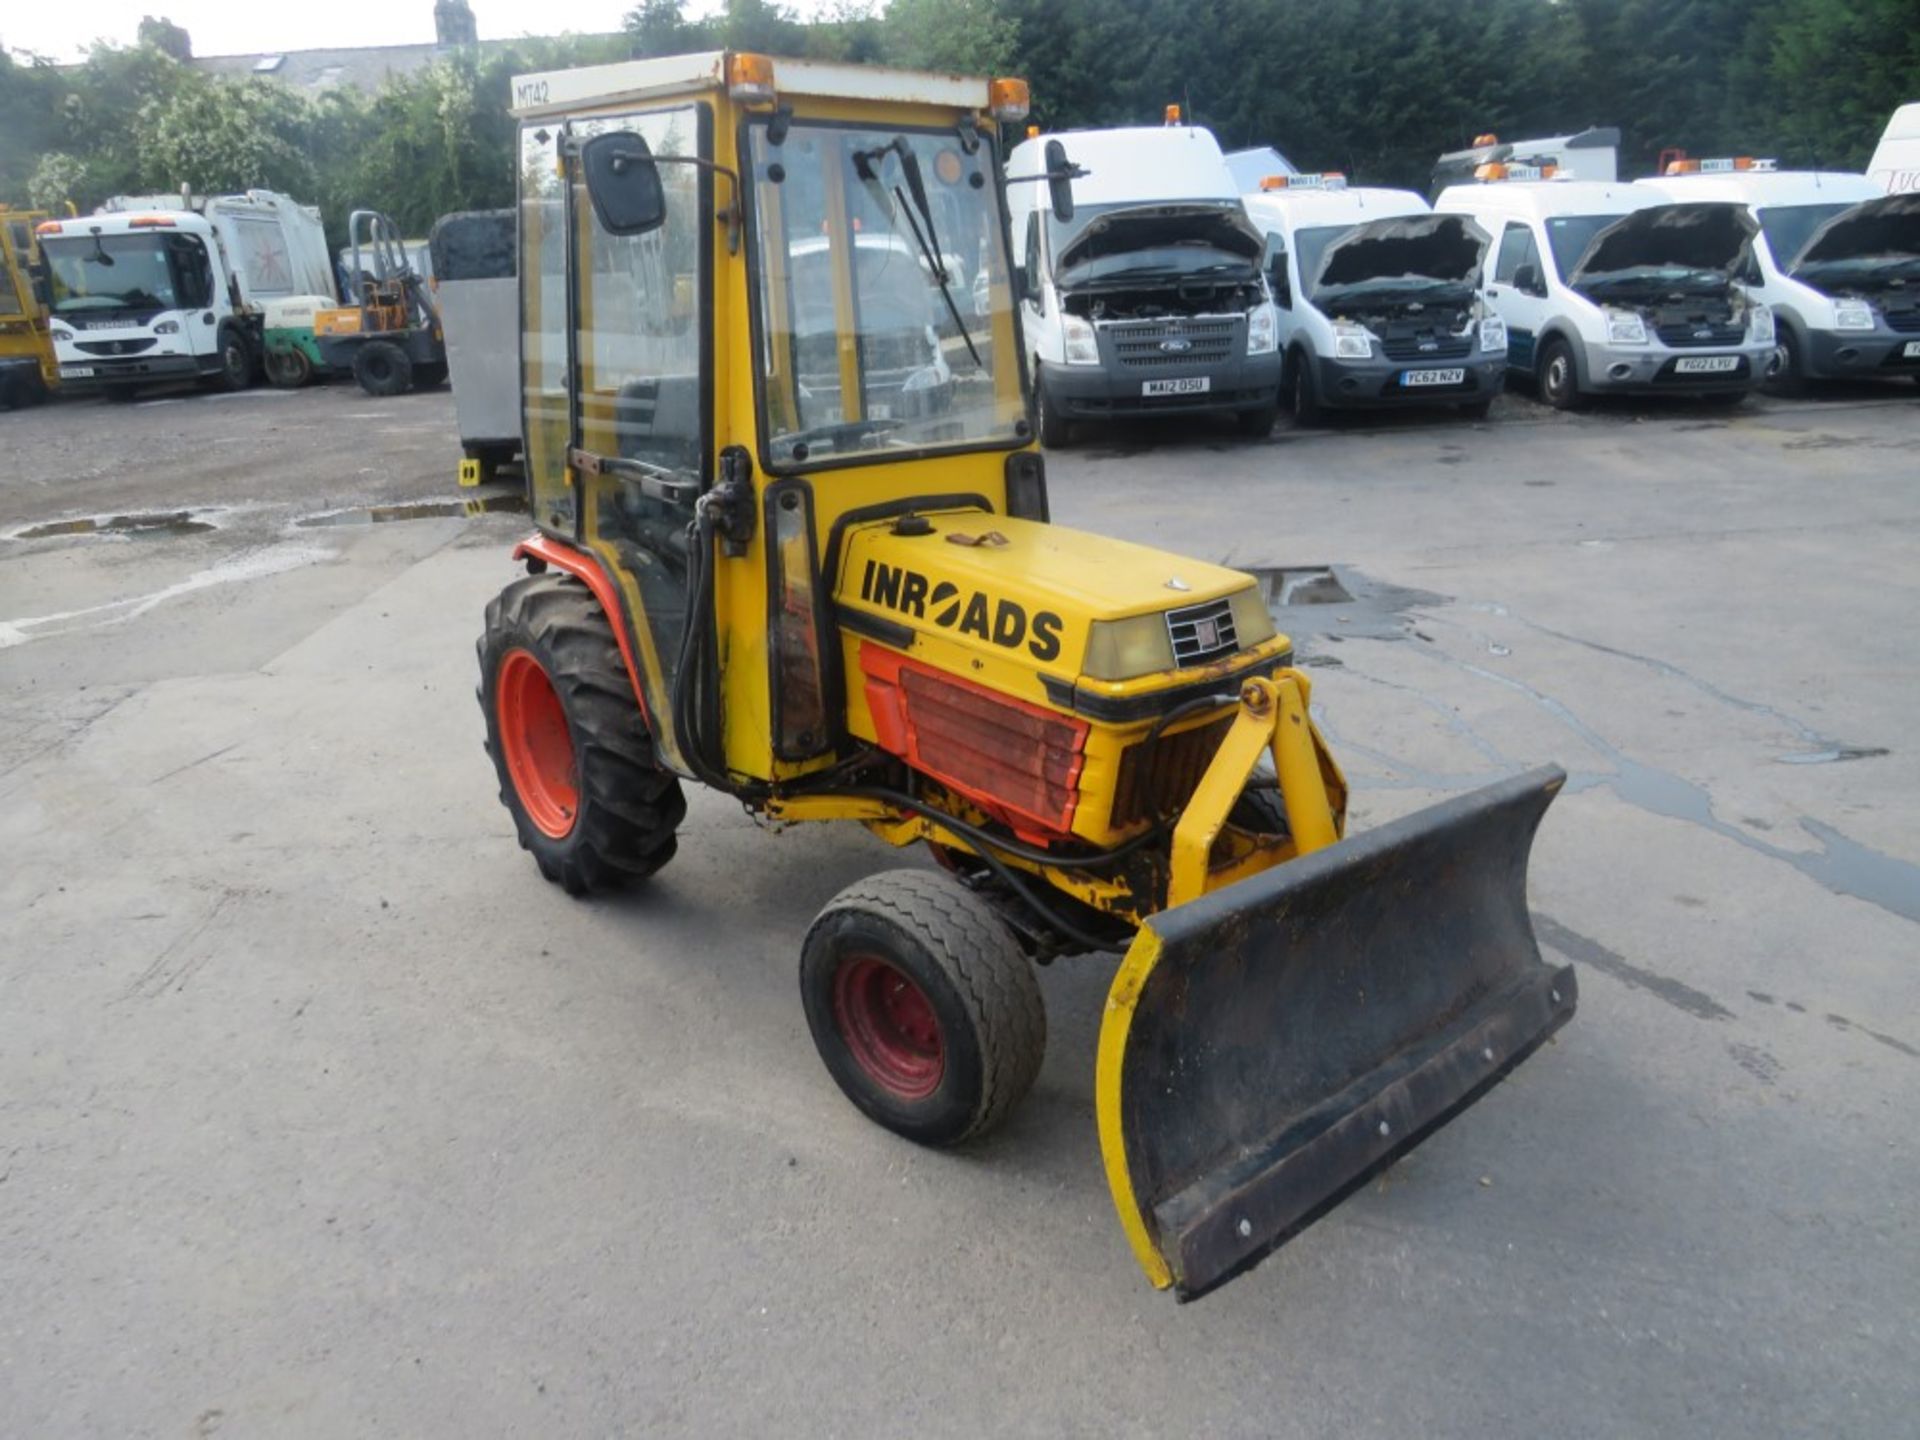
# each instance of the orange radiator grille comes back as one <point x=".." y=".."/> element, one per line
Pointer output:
<point x="1019" y="762"/>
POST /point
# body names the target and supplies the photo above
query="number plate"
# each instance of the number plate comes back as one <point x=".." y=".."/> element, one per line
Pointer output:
<point x="1193" y="385"/>
<point x="1912" y="352"/>
<point x="76" y="372"/>
<point x="1412" y="378"/>
<point x="1706" y="364"/>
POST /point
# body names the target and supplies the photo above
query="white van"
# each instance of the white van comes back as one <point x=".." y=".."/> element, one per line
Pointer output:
<point x="1380" y="299"/>
<point x="1608" y="288"/>
<point x="1828" y="261"/>
<point x="1150" y="300"/>
<point x="1895" y="166"/>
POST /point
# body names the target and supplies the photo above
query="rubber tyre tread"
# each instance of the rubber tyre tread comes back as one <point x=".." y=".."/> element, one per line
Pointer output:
<point x="236" y="363"/>
<point x="629" y="805"/>
<point x="966" y="942"/>
<point x="1571" y="399"/>
<point x="1056" y="431"/>
<point x="383" y="369"/>
<point x="1304" y="392"/>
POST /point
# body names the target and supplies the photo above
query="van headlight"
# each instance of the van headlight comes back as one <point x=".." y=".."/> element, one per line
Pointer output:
<point x="1852" y="315"/>
<point x="1625" y="328"/>
<point x="1262" y="333"/>
<point x="1082" y="347"/>
<point x="1493" y="333"/>
<point x="167" y="327"/>
<point x="1760" y="324"/>
<point x="1352" y="342"/>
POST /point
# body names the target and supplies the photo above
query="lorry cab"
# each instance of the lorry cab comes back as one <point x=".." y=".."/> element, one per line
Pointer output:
<point x="1610" y="288"/>
<point x="1380" y="301"/>
<point x="1150" y="300"/>
<point x="1836" y="260"/>
<point x="164" y="288"/>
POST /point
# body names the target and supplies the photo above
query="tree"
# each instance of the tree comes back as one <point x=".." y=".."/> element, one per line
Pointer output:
<point x="217" y="135"/>
<point x="660" y="27"/>
<point x="165" y="36"/>
<point x="972" y="37"/>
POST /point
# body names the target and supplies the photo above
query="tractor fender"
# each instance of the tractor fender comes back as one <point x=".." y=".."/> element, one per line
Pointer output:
<point x="540" y="551"/>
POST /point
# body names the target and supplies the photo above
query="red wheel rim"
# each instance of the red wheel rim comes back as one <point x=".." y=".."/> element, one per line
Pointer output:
<point x="889" y="1025"/>
<point x="537" y="743"/>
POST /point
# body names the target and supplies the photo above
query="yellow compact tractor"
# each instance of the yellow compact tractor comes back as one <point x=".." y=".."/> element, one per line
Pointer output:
<point x="794" y="545"/>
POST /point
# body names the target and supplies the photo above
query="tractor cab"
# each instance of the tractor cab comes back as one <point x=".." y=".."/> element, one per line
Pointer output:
<point x="794" y="545"/>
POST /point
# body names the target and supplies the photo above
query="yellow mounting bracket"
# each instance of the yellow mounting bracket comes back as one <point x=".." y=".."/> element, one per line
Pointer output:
<point x="1273" y="716"/>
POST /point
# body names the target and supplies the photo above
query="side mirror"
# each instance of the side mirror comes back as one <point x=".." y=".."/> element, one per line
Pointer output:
<point x="1527" y="280"/>
<point x="1060" y="173"/>
<point x="1277" y="280"/>
<point x="623" y="181"/>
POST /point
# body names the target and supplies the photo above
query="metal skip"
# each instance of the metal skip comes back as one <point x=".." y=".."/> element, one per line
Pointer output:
<point x="1269" y="1046"/>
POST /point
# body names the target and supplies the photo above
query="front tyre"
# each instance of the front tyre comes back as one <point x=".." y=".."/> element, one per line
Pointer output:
<point x="236" y="362"/>
<point x="922" y="1005"/>
<point x="383" y="369"/>
<point x="1559" y="378"/>
<point x="1056" y="431"/>
<point x="1304" y="391"/>
<point x="576" y="765"/>
<point x="1788" y="378"/>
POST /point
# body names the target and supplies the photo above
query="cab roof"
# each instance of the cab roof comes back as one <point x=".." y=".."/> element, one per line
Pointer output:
<point x="1770" y="187"/>
<point x="1541" y="199"/>
<point x="551" y="92"/>
<point x="1302" y="208"/>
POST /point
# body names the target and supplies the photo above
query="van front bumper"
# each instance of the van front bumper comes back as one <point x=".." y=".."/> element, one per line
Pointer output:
<point x="1654" y="369"/>
<point x="137" y="370"/>
<point x="1854" y="354"/>
<point x="1380" y="383"/>
<point x="1100" y="392"/>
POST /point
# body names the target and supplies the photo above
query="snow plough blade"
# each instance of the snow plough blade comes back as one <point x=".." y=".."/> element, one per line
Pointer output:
<point x="1269" y="1046"/>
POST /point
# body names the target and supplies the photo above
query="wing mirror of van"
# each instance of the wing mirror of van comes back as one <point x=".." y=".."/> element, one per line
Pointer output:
<point x="623" y="181"/>
<point x="1277" y="281"/>
<point x="1061" y="173"/>
<point x="1527" y="280"/>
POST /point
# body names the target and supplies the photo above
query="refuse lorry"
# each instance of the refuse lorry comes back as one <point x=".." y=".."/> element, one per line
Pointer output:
<point x="158" y="288"/>
<point x="826" y="612"/>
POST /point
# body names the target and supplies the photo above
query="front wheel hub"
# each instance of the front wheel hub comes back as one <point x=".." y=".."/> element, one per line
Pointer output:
<point x="890" y="1027"/>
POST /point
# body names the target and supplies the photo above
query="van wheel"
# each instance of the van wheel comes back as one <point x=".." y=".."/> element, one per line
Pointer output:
<point x="1304" y="390"/>
<point x="1788" y="378"/>
<point x="1056" y="431"/>
<point x="1559" y="379"/>
<point x="382" y="368"/>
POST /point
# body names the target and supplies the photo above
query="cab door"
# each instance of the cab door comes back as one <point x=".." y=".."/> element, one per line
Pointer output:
<point x="616" y="378"/>
<point x="1518" y="291"/>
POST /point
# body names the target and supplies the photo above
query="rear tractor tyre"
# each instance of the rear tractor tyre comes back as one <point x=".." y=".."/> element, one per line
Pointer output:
<point x="576" y="765"/>
<point x="383" y="369"/>
<point x="922" y="1005"/>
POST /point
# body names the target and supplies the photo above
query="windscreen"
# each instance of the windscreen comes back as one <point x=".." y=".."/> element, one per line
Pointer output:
<point x="1789" y="227"/>
<point x="880" y="279"/>
<point x="110" y="272"/>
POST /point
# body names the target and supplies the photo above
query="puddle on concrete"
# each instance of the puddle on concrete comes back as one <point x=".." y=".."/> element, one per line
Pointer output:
<point x="417" y="510"/>
<point x="1834" y="756"/>
<point x="167" y="522"/>
<point x="1285" y="585"/>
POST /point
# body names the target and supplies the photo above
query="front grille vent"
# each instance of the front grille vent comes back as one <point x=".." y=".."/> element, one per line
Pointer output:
<point x="1426" y="347"/>
<point x="1687" y="333"/>
<point x="1202" y="632"/>
<point x="1173" y="342"/>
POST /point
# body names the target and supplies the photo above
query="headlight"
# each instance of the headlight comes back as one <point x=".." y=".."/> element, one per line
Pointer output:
<point x="1252" y="622"/>
<point x="1493" y="333"/>
<point x="167" y="327"/>
<point x="1127" y="649"/>
<point x="1625" y="328"/>
<point x="60" y="332"/>
<point x="1082" y="348"/>
<point x="1852" y="315"/>
<point x="1261" y="331"/>
<point x="1760" y="324"/>
<point x="1352" y="342"/>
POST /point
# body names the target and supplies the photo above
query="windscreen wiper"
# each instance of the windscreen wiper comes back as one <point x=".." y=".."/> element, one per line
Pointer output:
<point x="865" y="165"/>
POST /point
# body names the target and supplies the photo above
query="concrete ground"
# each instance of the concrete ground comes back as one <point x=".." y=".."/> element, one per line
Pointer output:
<point x="320" y="1114"/>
